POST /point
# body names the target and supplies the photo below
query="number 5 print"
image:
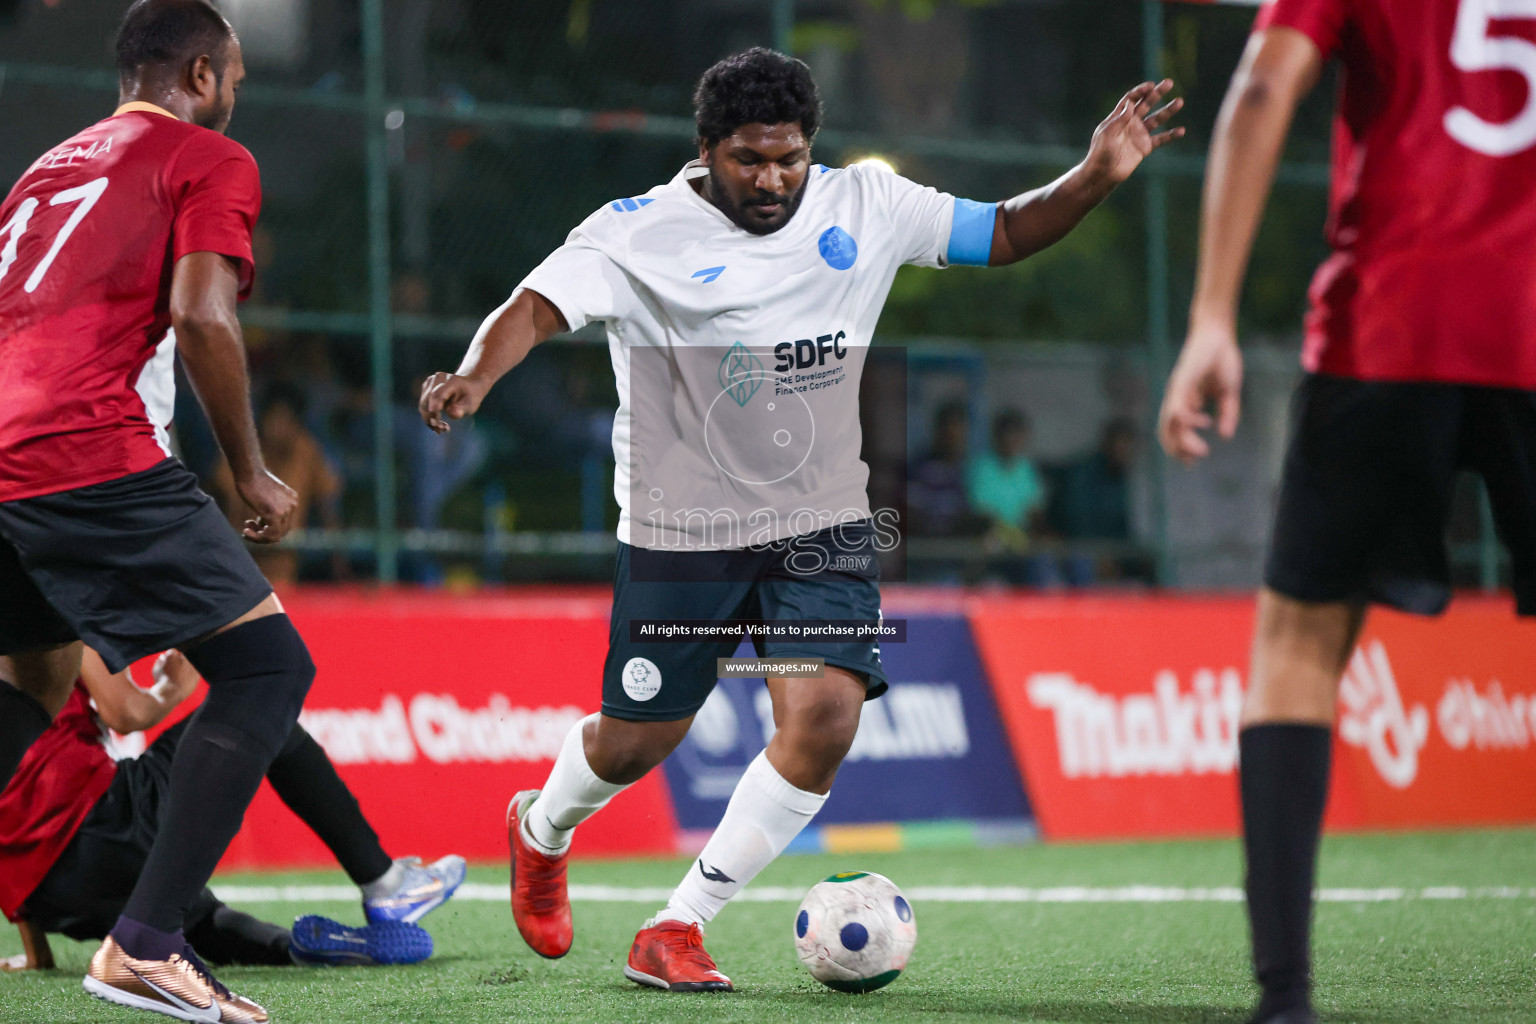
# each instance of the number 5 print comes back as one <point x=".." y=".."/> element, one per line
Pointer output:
<point x="1473" y="49"/>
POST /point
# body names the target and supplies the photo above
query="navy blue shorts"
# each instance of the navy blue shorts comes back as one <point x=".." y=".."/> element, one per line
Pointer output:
<point x="830" y="575"/>
<point x="134" y="566"/>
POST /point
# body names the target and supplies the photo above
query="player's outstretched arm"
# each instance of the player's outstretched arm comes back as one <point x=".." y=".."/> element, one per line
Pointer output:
<point x="504" y="340"/>
<point x="126" y="707"/>
<point x="204" y="290"/>
<point x="1043" y="217"/>
<point x="1278" y="68"/>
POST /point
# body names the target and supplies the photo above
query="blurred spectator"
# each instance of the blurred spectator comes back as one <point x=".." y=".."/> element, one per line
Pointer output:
<point x="332" y="404"/>
<point x="435" y="464"/>
<point x="264" y="257"/>
<point x="1003" y="484"/>
<point x="1093" y="497"/>
<point x="410" y="293"/>
<point x="1092" y="502"/>
<point x="936" y="498"/>
<point x="915" y="59"/>
<point x="293" y="454"/>
<point x="584" y="428"/>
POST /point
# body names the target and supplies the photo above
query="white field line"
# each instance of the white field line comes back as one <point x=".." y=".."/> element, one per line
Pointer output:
<point x="479" y="892"/>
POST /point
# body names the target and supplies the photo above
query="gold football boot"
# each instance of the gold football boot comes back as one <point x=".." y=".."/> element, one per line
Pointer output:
<point x="180" y="987"/>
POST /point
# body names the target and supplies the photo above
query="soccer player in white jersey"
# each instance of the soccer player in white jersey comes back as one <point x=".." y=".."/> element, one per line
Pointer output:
<point x="740" y="299"/>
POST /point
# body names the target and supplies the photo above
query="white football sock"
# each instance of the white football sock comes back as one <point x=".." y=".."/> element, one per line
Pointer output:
<point x="386" y="883"/>
<point x="571" y="795"/>
<point x="764" y="815"/>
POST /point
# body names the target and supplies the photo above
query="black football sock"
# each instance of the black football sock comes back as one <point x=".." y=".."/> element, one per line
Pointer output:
<point x="215" y="774"/>
<point x="1284" y="779"/>
<point x="257" y="676"/>
<point x="22" y="721"/>
<point x="145" y="942"/>
<point x="307" y="782"/>
<point x="222" y="935"/>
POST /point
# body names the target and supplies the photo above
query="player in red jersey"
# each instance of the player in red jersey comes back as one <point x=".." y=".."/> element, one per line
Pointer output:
<point x="76" y="827"/>
<point x="136" y="227"/>
<point x="1421" y="361"/>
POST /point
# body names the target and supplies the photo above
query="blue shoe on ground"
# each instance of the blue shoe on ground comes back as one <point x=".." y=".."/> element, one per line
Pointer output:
<point x="320" y="942"/>
<point x="422" y="889"/>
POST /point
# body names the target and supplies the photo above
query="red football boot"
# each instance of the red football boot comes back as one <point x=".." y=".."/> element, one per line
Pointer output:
<point x="540" y="905"/>
<point x="670" y="955"/>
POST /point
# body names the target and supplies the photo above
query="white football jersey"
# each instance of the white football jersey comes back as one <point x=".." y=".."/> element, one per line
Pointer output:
<point x="738" y="356"/>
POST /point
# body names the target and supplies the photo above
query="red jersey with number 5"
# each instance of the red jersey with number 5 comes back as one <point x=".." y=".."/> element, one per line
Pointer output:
<point x="88" y="239"/>
<point x="1433" y="206"/>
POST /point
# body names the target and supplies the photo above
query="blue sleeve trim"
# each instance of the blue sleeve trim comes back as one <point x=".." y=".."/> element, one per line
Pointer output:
<point x="970" y="237"/>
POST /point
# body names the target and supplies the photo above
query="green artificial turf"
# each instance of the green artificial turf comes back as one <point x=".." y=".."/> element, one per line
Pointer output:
<point x="1446" y="961"/>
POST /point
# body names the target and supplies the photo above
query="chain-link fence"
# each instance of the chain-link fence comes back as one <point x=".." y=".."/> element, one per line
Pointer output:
<point x="419" y="158"/>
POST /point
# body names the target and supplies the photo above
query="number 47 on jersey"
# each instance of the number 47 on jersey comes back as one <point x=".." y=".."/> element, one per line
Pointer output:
<point x="83" y="196"/>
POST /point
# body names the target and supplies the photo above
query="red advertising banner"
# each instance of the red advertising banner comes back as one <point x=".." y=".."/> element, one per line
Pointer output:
<point x="1123" y="714"/>
<point x="1437" y="719"/>
<point x="436" y="709"/>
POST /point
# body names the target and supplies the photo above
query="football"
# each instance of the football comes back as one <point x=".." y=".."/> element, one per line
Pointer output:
<point x="855" y="931"/>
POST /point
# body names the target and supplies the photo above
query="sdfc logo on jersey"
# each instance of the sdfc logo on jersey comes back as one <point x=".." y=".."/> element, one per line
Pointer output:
<point x="805" y="353"/>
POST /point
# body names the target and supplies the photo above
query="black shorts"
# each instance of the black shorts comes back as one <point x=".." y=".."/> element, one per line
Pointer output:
<point x="1366" y="493"/>
<point x="133" y="567"/>
<point x="88" y="886"/>
<point x="666" y="681"/>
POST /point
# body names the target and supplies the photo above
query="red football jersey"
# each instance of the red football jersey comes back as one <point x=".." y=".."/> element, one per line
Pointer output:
<point x="1433" y="206"/>
<point x="88" y="238"/>
<point x="59" y="780"/>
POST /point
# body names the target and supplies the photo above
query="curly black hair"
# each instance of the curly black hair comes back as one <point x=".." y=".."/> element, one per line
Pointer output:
<point x="171" y="33"/>
<point x="756" y="86"/>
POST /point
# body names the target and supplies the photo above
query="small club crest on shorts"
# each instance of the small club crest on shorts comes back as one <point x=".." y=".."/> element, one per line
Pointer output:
<point x="642" y="679"/>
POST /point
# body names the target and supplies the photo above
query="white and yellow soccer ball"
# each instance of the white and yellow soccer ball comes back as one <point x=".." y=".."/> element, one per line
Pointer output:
<point x="855" y="931"/>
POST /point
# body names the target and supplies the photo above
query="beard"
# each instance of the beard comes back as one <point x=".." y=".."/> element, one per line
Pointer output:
<point x="738" y="212"/>
<point x="216" y="117"/>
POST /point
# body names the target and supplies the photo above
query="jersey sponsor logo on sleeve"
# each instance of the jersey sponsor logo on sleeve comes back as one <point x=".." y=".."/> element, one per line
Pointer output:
<point x="631" y="205"/>
<point x="838" y="248"/>
<point x="709" y="274"/>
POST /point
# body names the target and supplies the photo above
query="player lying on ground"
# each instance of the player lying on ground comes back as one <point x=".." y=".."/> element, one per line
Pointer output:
<point x="76" y="829"/>
<point x="702" y="283"/>
<point x="1421" y="358"/>
<point x="136" y="226"/>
